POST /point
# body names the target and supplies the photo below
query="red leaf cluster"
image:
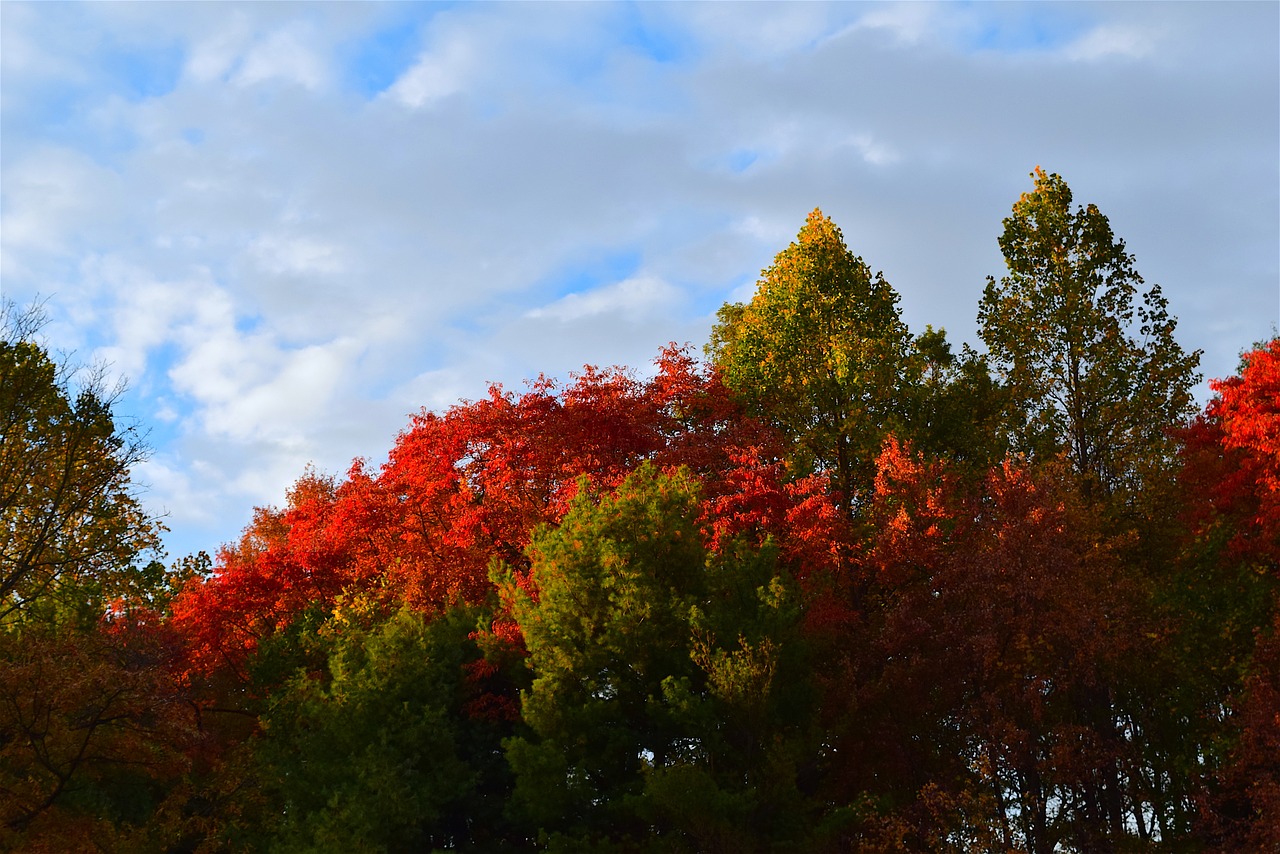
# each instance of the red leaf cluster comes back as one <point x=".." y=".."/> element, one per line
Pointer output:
<point x="1232" y="460"/>
<point x="468" y="487"/>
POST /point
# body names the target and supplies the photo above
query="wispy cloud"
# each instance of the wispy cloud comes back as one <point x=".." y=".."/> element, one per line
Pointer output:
<point x="1125" y="41"/>
<point x="285" y="55"/>
<point x="298" y="255"/>
<point x="629" y="299"/>
<point x="437" y="74"/>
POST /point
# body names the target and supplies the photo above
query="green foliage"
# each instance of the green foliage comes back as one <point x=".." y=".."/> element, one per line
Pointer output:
<point x="374" y="752"/>
<point x="959" y="405"/>
<point x="1088" y="372"/>
<point x="71" y="528"/>
<point x="616" y="582"/>
<point x="822" y="352"/>
<point x="666" y="699"/>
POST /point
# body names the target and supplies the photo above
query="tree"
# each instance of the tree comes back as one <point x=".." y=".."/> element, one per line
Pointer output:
<point x="1060" y="329"/>
<point x="667" y="693"/>
<point x="822" y="353"/>
<point x="71" y="526"/>
<point x="92" y="726"/>
<point x="375" y="750"/>
<point x="93" y="731"/>
<point x="614" y="587"/>
<point x="959" y="405"/>
<point x="999" y="630"/>
<point x="1247" y="409"/>
<point x="1228" y="599"/>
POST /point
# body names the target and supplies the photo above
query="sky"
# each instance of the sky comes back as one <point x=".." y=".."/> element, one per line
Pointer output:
<point x="291" y="226"/>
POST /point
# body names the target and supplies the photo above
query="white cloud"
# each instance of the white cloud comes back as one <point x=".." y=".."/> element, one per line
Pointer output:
<point x="771" y="231"/>
<point x="176" y="495"/>
<point x="214" y="55"/>
<point x="249" y="388"/>
<point x="438" y="390"/>
<point x="765" y="30"/>
<point x="286" y="55"/>
<point x="874" y="151"/>
<point x="643" y="296"/>
<point x="49" y="196"/>
<point x="906" y="23"/>
<point x="300" y="256"/>
<point x="437" y="74"/>
<point x="295" y="391"/>
<point x="21" y="53"/>
<point x="143" y="311"/>
<point x="218" y="363"/>
<point x="1106" y="41"/>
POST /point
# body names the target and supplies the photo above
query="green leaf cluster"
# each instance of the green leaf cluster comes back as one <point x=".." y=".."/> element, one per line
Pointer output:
<point x="1089" y="372"/>
<point x="71" y="528"/>
<point x="668" y="700"/>
<point x="371" y="751"/>
<point x="821" y="351"/>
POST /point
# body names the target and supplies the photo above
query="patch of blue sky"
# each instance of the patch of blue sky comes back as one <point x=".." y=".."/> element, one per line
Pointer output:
<point x="53" y="110"/>
<point x="145" y="396"/>
<point x="736" y="161"/>
<point x="373" y="63"/>
<point x="473" y="321"/>
<point x="194" y="136"/>
<point x="1019" y="28"/>
<point x="596" y="269"/>
<point x="109" y="146"/>
<point x="247" y="324"/>
<point x="160" y="424"/>
<point x="626" y="30"/>
<point x="64" y="110"/>
<point x="741" y="159"/>
<point x="141" y="74"/>
<point x="707" y="301"/>
<point x="652" y="37"/>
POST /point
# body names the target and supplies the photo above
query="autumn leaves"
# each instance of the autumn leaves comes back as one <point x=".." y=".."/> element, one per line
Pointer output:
<point x="837" y="588"/>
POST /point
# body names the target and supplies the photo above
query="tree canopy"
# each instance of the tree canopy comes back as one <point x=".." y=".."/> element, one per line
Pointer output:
<point x="1089" y="372"/>
<point x="71" y="527"/>
<point x="821" y="352"/>
<point x="841" y="587"/>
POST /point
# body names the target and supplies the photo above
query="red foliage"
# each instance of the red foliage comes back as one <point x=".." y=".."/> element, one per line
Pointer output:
<point x="284" y="562"/>
<point x="995" y="624"/>
<point x="752" y="500"/>
<point x="468" y="487"/>
<point x="1231" y="479"/>
<point x="1231" y="460"/>
<point x="1249" y="407"/>
<point x="1248" y="816"/>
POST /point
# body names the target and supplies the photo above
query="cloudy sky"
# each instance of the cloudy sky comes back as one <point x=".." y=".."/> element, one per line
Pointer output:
<point x="290" y="226"/>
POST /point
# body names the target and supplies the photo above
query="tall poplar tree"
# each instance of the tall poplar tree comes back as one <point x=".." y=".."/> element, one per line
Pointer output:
<point x="1090" y="370"/>
<point x="821" y="351"/>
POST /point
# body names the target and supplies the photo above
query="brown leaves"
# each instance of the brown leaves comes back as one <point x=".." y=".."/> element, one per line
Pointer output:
<point x="82" y="717"/>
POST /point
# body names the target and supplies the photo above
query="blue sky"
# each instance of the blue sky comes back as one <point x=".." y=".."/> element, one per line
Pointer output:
<point x="291" y="225"/>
